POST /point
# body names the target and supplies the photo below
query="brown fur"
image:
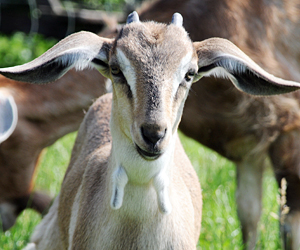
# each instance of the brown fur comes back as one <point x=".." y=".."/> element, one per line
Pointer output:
<point x="45" y="113"/>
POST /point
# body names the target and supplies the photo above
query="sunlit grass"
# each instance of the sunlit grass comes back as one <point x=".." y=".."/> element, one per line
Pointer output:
<point x="220" y="225"/>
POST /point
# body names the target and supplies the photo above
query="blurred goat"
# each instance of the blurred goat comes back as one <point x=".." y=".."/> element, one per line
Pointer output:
<point x="34" y="118"/>
<point x="45" y="114"/>
<point x="242" y="128"/>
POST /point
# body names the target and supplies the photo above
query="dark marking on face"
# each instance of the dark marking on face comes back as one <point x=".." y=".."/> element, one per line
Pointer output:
<point x="154" y="96"/>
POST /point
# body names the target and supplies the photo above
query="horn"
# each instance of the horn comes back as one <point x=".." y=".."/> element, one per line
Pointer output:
<point x="177" y="19"/>
<point x="133" y="17"/>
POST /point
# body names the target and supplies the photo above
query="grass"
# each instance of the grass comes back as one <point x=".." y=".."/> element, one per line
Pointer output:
<point x="220" y="226"/>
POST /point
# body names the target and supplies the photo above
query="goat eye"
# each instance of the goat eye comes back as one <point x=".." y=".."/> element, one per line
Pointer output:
<point x="115" y="70"/>
<point x="189" y="75"/>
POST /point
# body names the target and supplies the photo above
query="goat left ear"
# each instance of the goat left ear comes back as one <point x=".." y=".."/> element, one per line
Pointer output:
<point x="79" y="50"/>
<point x="221" y="58"/>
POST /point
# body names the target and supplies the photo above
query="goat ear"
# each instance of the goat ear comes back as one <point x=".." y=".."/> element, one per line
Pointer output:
<point x="8" y="116"/>
<point x="221" y="58"/>
<point x="79" y="50"/>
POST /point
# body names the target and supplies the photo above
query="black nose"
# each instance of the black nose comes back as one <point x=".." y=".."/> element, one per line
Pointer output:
<point x="153" y="133"/>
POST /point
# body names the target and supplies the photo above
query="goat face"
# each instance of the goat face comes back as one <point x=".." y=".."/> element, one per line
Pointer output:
<point x="151" y="72"/>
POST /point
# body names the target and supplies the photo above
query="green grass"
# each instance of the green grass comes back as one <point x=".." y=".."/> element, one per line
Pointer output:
<point x="220" y="226"/>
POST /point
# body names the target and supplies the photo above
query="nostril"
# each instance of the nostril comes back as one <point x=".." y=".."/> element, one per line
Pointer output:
<point x="152" y="134"/>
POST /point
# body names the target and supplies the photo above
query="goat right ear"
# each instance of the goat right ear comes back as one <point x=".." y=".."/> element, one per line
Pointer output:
<point x="221" y="58"/>
<point x="79" y="50"/>
<point x="8" y="116"/>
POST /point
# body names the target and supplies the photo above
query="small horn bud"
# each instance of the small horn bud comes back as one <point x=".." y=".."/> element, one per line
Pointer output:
<point x="133" y="17"/>
<point x="177" y="19"/>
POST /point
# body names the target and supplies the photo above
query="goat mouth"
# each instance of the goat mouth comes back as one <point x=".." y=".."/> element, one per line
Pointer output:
<point x="148" y="155"/>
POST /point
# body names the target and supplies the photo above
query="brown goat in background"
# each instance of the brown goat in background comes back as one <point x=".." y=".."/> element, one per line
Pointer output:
<point x="45" y="114"/>
<point x="242" y="128"/>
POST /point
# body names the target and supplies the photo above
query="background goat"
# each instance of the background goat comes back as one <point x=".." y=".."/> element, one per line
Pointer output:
<point x="145" y="58"/>
<point x="42" y="115"/>
<point x="242" y="128"/>
<point x="45" y="113"/>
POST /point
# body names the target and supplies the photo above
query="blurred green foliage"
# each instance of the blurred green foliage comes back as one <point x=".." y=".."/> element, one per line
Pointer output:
<point x="20" y="48"/>
<point x="107" y="5"/>
<point x="102" y="2"/>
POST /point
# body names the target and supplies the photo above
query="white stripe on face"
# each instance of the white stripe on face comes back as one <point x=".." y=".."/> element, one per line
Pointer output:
<point x="127" y="70"/>
<point x="181" y="71"/>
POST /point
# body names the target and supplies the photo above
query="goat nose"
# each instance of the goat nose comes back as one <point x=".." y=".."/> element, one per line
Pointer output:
<point x="152" y="134"/>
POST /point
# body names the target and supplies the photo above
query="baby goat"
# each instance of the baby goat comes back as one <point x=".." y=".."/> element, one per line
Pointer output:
<point x="129" y="184"/>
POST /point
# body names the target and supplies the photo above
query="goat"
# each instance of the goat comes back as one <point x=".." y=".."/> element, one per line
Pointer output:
<point x="129" y="183"/>
<point x="245" y="129"/>
<point x="35" y="117"/>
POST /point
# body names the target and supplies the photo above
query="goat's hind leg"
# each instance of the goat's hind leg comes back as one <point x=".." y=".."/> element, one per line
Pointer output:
<point x="249" y="196"/>
<point x="47" y="235"/>
<point x="10" y="209"/>
<point x="285" y="156"/>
